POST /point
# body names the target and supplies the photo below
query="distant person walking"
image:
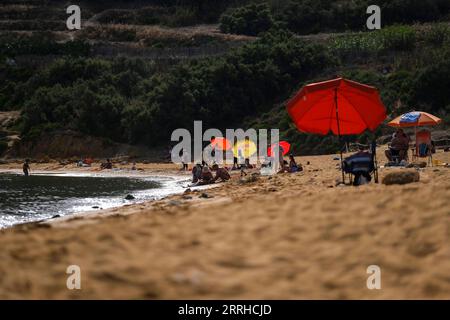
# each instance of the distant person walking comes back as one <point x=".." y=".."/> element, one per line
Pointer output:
<point x="26" y="167"/>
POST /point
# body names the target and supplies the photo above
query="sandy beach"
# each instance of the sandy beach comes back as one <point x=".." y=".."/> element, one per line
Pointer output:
<point x="290" y="236"/>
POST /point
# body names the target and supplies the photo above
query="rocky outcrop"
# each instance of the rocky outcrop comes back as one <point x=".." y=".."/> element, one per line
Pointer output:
<point x="70" y="144"/>
<point x="401" y="177"/>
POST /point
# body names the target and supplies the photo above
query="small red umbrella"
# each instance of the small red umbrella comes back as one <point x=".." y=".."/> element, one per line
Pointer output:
<point x="340" y="106"/>
<point x="285" y="146"/>
<point x="221" y="143"/>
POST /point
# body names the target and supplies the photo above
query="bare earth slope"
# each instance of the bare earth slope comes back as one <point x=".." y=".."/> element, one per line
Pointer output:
<point x="292" y="236"/>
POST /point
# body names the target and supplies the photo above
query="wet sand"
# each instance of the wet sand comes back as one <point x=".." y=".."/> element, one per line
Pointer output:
<point x="291" y="236"/>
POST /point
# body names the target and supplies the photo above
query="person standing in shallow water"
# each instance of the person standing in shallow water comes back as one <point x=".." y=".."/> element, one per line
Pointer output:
<point x="26" y="167"/>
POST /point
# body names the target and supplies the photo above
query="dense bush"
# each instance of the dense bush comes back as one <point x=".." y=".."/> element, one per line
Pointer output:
<point x="174" y="13"/>
<point x="40" y="44"/>
<point x="438" y="34"/>
<point x="250" y="20"/>
<point x="395" y="38"/>
<point x="398" y="38"/>
<point x="431" y="90"/>
<point x="313" y="16"/>
<point x="108" y="33"/>
<point x="127" y="103"/>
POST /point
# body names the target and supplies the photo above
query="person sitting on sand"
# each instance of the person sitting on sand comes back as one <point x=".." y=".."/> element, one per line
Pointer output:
<point x="221" y="173"/>
<point x="196" y="172"/>
<point x="399" y="146"/>
<point x="207" y="176"/>
<point x="283" y="163"/>
<point x="107" y="165"/>
<point x="26" y="167"/>
<point x="293" y="166"/>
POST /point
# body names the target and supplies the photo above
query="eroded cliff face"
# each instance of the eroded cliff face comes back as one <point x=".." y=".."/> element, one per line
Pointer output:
<point x="70" y="144"/>
<point x="8" y="136"/>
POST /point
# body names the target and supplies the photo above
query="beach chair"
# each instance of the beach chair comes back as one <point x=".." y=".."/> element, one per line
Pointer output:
<point x="362" y="164"/>
<point x="423" y="148"/>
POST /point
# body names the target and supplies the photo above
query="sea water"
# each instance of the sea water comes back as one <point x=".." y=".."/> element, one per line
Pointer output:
<point x="44" y="196"/>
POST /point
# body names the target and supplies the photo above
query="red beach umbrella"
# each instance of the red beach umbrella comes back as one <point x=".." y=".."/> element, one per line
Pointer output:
<point x="221" y="143"/>
<point x="340" y="106"/>
<point x="285" y="146"/>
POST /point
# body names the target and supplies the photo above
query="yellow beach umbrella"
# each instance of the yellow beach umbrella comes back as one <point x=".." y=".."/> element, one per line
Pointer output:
<point x="244" y="148"/>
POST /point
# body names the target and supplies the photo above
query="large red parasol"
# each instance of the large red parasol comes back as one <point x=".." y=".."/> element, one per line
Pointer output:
<point x="340" y="106"/>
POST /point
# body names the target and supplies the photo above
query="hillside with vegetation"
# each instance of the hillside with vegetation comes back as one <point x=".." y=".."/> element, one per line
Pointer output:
<point x="140" y="69"/>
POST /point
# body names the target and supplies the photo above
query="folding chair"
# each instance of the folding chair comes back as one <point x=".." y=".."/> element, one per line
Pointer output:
<point x="363" y="164"/>
<point x="423" y="146"/>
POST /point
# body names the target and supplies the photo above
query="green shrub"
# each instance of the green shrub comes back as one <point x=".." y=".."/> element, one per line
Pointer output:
<point x="438" y="34"/>
<point x="126" y="102"/>
<point x="250" y="20"/>
<point x="40" y="43"/>
<point x="431" y="86"/>
<point x="401" y="38"/>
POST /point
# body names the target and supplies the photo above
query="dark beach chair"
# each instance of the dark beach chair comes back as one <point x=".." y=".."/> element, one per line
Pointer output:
<point x="362" y="164"/>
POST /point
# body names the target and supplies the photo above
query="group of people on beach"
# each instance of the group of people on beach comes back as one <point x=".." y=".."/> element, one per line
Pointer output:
<point x="202" y="174"/>
<point x="397" y="151"/>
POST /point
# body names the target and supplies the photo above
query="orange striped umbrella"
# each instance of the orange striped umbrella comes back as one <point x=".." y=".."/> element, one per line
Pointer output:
<point x="415" y="119"/>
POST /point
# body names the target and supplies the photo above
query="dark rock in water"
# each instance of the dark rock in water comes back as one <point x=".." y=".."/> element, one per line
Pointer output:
<point x="401" y="177"/>
<point x="95" y="207"/>
<point x="56" y="216"/>
<point x="129" y="197"/>
<point x="205" y="195"/>
<point x="188" y="190"/>
<point x="187" y="197"/>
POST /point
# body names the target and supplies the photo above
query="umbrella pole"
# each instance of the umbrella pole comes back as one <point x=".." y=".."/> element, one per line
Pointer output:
<point x="339" y="135"/>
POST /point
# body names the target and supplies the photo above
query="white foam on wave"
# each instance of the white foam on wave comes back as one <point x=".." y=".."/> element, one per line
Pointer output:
<point x="169" y="185"/>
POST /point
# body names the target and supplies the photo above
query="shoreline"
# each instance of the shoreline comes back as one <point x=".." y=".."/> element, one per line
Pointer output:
<point x="104" y="212"/>
<point x="298" y="234"/>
